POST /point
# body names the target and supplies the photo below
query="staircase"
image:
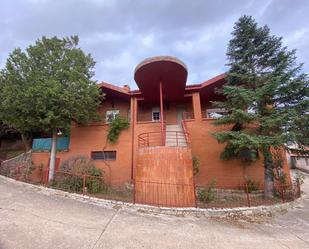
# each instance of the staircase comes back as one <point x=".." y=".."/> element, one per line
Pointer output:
<point x="175" y="136"/>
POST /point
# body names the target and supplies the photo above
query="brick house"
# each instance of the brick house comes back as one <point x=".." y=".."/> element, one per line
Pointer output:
<point x="170" y="122"/>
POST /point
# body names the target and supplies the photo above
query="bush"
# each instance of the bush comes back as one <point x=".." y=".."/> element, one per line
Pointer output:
<point x="196" y="165"/>
<point x="78" y="165"/>
<point x="68" y="182"/>
<point x="95" y="184"/>
<point x="207" y="194"/>
<point x="72" y="177"/>
<point x="252" y="185"/>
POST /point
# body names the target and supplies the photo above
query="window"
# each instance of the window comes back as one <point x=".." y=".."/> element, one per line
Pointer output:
<point x="103" y="155"/>
<point x="215" y="113"/>
<point x="155" y="114"/>
<point x="111" y="115"/>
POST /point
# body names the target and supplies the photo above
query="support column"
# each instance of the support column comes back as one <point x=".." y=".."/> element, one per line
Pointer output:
<point x="133" y="118"/>
<point x="162" y="115"/>
<point x="196" y="103"/>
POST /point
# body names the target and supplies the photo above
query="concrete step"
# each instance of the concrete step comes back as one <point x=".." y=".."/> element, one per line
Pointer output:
<point x="174" y="128"/>
<point x="171" y="140"/>
<point x="175" y="144"/>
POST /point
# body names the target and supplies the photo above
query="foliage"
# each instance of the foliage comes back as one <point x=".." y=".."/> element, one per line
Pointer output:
<point x="196" y="165"/>
<point x="78" y="164"/>
<point x="27" y="171"/>
<point x="5" y="130"/>
<point x="207" y="194"/>
<point x="76" y="167"/>
<point x="252" y="185"/>
<point x="266" y="97"/>
<point x="115" y="127"/>
<point x="47" y="86"/>
<point x="95" y="184"/>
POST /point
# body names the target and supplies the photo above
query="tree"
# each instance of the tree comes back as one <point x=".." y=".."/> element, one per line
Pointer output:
<point x="48" y="86"/>
<point x="266" y="94"/>
<point x="5" y="130"/>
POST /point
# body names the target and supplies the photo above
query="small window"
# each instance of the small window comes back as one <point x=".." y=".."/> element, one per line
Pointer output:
<point x="155" y="114"/>
<point x="215" y="113"/>
<point x="103" y="155"/>
<point x="111" y="115"/>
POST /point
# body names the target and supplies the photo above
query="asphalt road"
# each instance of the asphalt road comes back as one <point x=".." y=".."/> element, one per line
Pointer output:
<point x="31" y="219"/>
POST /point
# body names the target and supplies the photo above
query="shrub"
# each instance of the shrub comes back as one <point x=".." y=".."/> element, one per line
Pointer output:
<point x="252" y="185"/>
<point x="76" y="167"/>
<point x="78" y="164"/>
<point x="68" y="182"/>
<point x="27" y="171"/>
<point x="95" y="184"/>
<point x="196" y="165"/>
<point x="207" y="194"/>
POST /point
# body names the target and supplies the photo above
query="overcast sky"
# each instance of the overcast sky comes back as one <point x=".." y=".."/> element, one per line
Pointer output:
<point x="119" y="34"/>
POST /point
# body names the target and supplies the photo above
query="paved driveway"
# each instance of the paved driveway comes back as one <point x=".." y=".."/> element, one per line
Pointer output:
<point x="30" y="219"/>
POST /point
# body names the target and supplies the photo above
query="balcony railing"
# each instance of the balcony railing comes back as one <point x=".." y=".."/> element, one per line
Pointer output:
<point x="170" y="138"/>
<point x="187" y="115"/>
<point x="204" y="114"/>
<point x="147" y="117"/>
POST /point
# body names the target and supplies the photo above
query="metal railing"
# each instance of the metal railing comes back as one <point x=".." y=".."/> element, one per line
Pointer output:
<point x="184" y="127"/>
<point x="147" y="117"/>
<point x="210" y="195"/>
<point x="88" y="185"/>
<point x="229" y="196"/>
<point x="204" y="114"/>
<point x="169" y="138"/>
<point x="188" y="115"/>
<point x="18" y="167"/>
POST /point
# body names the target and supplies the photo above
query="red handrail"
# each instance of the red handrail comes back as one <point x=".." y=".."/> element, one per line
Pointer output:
<point x="171" y="138"/>
<point x="185" y="128"/>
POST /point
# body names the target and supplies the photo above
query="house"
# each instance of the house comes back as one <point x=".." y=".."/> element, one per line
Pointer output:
<point x="298" y="158"/>
<point x="170" y="122"/>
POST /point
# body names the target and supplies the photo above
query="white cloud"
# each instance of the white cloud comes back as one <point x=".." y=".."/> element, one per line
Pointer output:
<point x="121" y="33"/>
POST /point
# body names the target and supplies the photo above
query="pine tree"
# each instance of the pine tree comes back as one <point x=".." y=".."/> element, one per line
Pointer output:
<point x="266" y="98"/>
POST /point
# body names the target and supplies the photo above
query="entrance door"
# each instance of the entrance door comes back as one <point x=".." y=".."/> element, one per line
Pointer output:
<point x="180" y="111"/>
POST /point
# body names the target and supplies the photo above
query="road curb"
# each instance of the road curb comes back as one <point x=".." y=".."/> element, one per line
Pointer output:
<point x="147" y="209"/>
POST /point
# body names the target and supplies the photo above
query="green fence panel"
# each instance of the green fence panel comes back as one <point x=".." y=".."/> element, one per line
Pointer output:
<point x="44" y="144"/>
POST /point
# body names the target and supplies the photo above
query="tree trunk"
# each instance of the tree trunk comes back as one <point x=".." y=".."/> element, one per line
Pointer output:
<point x="268" y="175"/>
<point x="26" y="140"/>
<point x="52" y="160"/>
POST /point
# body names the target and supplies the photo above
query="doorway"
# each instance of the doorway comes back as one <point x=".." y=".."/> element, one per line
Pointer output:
<point x="180" y="110"/>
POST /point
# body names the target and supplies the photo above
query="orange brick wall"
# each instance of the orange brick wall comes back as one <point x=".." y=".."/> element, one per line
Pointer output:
<point x="206" y="148"/>
<point x="225" y="172"/>
<point x="84" y="139"/>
